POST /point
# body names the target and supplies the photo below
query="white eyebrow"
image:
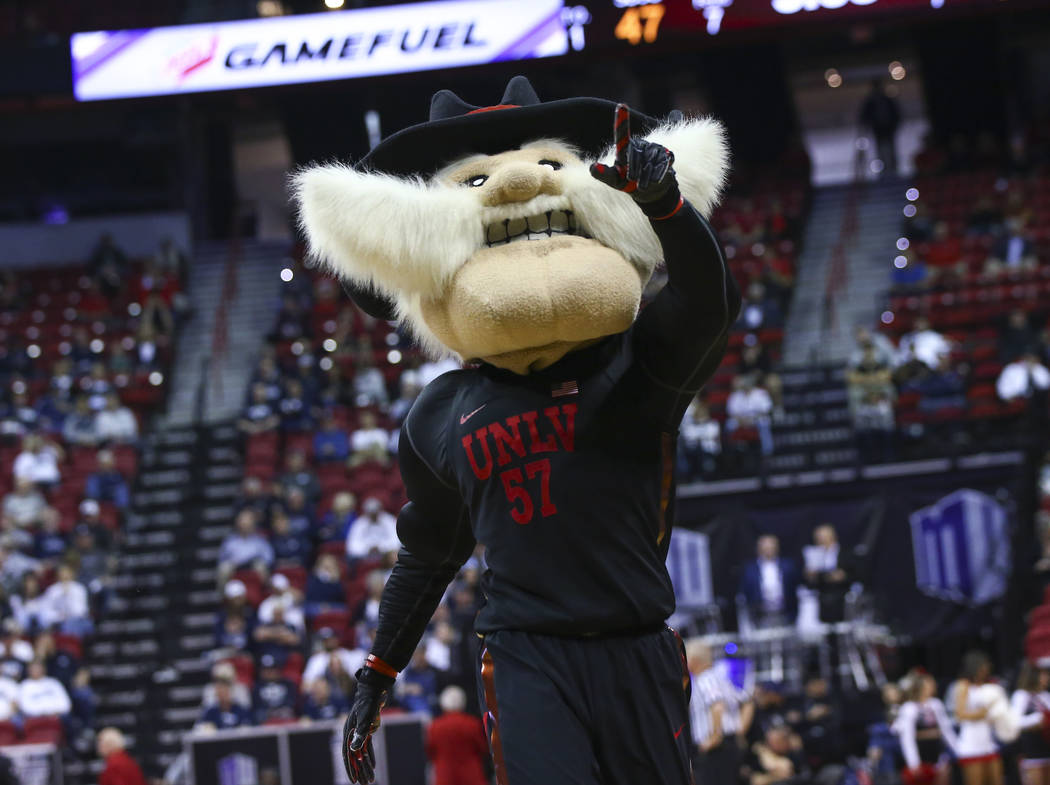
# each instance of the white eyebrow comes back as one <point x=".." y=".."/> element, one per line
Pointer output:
<point x="556" y="144"/>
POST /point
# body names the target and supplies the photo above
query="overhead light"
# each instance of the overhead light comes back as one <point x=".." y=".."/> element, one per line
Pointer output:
<point x="912" y="194"/>
<point x="333" y="4"/>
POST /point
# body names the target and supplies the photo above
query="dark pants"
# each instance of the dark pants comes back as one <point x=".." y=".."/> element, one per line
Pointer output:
<point x="720" y="765"/>
<point x="586" y="711"/>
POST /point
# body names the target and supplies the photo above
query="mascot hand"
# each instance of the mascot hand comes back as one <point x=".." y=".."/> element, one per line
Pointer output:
<point x="641" y="168"/>
<point x="359" y="756"/>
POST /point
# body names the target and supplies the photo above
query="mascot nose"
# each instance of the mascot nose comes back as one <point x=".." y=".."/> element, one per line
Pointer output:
<point x="520" y="183"/>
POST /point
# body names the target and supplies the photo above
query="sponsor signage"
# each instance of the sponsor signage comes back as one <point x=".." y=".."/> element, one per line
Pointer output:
<point x="314" y="47"/>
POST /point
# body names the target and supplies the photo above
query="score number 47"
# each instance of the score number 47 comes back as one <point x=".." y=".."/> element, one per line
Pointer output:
<point x="641" y="23"/>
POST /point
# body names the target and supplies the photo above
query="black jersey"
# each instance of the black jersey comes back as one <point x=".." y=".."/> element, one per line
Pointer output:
<point x="565" y="475"/>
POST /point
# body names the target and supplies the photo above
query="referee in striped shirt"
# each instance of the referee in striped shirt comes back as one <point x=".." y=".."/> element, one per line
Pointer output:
<point x="720" y="715"/>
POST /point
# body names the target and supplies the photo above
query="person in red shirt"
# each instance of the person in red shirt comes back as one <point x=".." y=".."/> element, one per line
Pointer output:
<point x="456" y="744"/>
<point x="121" y="768"/>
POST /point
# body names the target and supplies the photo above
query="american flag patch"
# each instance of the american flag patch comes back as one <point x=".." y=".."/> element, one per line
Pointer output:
<point x="565" y="388"/>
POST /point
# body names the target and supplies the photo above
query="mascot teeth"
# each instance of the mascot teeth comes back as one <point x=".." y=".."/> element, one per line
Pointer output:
<point x="533" y="227"/>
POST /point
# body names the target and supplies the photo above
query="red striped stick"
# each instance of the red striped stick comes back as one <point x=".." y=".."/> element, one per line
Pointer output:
<point x="622" y="133"/>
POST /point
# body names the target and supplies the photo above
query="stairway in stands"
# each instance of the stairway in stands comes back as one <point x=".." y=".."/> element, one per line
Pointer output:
<point x="146" y="660"/>
<point x="815" y="433"/>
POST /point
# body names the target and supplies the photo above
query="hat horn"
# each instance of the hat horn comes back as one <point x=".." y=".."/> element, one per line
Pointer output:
<point x="446" y="104"/>
<point x="519" y="92"/>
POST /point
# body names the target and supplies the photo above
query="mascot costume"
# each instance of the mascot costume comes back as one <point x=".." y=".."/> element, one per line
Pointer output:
<point x="516" y="238"/>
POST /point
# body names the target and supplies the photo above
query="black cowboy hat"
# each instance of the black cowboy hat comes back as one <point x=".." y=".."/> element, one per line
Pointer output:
<point x="456" y="128"/>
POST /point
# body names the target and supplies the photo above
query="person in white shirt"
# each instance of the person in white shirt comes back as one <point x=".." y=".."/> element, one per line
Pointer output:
<point x="976" y="747"/>
<point x="116" y="423"/>
<point x="749" y="406"/>
<point x="333" y="662"/>
<point x="24" y="505"/>
<point x="1030" y="704"/>
<point x="8" y="698"/>
<point x="12" y="645"/>
<point x="288" y="598"/>
<point x="1023" y="377"/>
<point x="374" y="533"/>
<point x="699" y="442"/>
<point x="368" y="441"/>
<point x="66" y="601"/>
<point x="926" y="735"/>
<point x="41" y="696"/>
<point x="925" y="345"/>
<point x="38" y="461"/>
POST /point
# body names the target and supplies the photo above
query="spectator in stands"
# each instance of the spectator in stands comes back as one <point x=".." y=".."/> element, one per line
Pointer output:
<point x="28" y="607"/>
<point x="699" y="442"/>
<point x="1025" y="377"/>
<point x="298" y="475"/>
<point x="14" y="566"/>
<point x="416" y="689"/>
<point x="923" y="345"/>
<point x="91" y="518"/>
<point x="225" y="713"/>
<point x="273" y="696"/>
<point x="38" y="461"/>
<point x="940" y="388"/>
<point x="410" y="387"/>
<point x="883" y="348"/>
<point x="8" y="698"/>
<point x="116" y="423"/>
<point x="21" y="417"/>
<point x="41" y="696"/>
<point x="324" y="587"/>
<point x="769" y="585"/>
<point x="81" y="426"/>
<point x="224" y="672"/>
<point x="331" y="443"/>
<point x="299" y="510"/>
<point x="255" y="496"/>
<point x="276" y="637"/>
<point x="869" y="377"/>
<point x="244" y="548"/>
<point x="268" y="375"/>
<point x="322" y="703"/>
<point x="290" y="549"/>
<point x="778" y="758"/>
<point x="98" y="386"/>
<point x="294" y="407"/>
<point x="1013" y="252"/>
<point x="1016" y="337"/>
<point x="85" y="701"/>
<point x="880" y="115"/>
<point x="333" y="663"/>
<point x="456" y="744"/>
<point x="120" y="768"/>
<point x="369" y="386"/>
<point x="759" y="311"/>
<point x="66" y="601"/>
<point x="336" y="523"/>
<point x="106" y="484"/>
<point x="369" y="442"/>
<point x="828" y="572"/>
<point x="15" y="652"/>
<point x="755" y="362"/>
<point x="288" y="598"/>
<point x="108" y="266"/>
<point x="59" y="663"/>
<point x="374" y="583"/>
<point x="49" y="543"/>
<point x="259" y="416"/>
<point x="24" y="505"/>
<point x="374" y="534"/>
<point x="234" y="624"/>
<point x="875" y="425"/>
<point x="293" y="321"/>
<point x="97" y="567"/>
<point x="146" y="346"/>
<point x="749" y="406"/>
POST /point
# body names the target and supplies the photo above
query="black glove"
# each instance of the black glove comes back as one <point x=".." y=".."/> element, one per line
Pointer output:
<point x="641" y="168"/>
<point x="359" y="757"/>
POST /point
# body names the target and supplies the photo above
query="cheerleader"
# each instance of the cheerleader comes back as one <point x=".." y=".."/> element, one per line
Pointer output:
<point x="1030" y="704"/>
<point x="925" y="733"/>
<point x="976" y="706"/>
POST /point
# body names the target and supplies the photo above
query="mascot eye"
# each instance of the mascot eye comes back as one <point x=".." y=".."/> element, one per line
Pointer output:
<point x="555" y="165"/>
<point x="476" y="181"/>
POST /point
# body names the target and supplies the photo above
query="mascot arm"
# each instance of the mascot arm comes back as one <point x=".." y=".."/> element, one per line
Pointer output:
<point x="437" y="539"/>
<point x="682" y="334"/>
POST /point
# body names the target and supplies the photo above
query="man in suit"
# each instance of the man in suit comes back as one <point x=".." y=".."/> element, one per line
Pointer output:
<point x="769" y="585"/>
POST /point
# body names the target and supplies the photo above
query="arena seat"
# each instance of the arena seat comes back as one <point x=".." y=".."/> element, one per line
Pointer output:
<point x="43" y="730"/>
<point x="8" y="733"/>
<point x="338" y="620"/>
<point x="70" y="644"/>
<point x="297" y="576"/>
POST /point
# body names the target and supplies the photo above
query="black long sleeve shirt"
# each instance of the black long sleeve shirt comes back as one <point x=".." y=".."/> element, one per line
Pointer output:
<point x="565" y="474"/>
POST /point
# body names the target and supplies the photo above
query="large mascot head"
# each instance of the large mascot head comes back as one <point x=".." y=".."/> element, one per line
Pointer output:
<point x="483" y="231"/>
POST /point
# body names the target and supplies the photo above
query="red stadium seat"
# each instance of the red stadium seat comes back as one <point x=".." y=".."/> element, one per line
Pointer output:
<point x="337" y="620"/>
<point x="69" y="643"/>
<point x="43" y="730"/>
<point x="297" y="576"/>
<point x="253" y="585"/>
<point x="243" y="668"/>
<point x="8" y="734"/>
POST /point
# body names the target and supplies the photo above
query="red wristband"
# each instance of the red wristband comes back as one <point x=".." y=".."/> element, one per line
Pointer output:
<point x="376" y="664"/>
<point x="677" y="207"/>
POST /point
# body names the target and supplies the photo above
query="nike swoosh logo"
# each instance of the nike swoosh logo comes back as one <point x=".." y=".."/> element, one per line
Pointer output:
<point x="678" y="732"/>
<point x="464" y="417"/>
